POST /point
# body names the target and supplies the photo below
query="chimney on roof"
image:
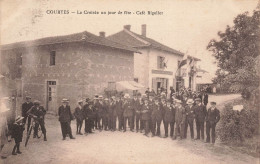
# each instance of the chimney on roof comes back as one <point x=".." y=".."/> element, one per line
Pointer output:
<point x="144" y="30"/>
<point x="127" y="27"/>
<point x="102" y="34"/>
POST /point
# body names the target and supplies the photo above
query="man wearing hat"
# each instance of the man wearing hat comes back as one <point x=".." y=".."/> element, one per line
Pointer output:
<point x="38" y="113"/>
<point x="85" y="108"/>
<point x="169" y="118"/>
<point x="212" y="118"/>
<point x="146" y="115"/>
<point x="90" y="116"/>
<point x="190" y="116"/>
<point x="95" y="114"/>
<point x="136" y="114"/>
<point x="99" y="112"/>
<point x="25" y="107"/>
<point x="65" y="117"/>
<point x="200" y="115"/>
<point x="157" y="115"/>
<point x="128" y="112"/>
<point x="180" y="118"/>
<point x="79" y="115"/>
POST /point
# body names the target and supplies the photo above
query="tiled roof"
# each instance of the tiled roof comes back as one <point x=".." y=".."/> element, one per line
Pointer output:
<point x="134" y="40"/>
<point x="77" y="37"/>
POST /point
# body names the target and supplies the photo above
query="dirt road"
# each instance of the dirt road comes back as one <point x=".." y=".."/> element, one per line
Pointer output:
<point x="118" y="147"/>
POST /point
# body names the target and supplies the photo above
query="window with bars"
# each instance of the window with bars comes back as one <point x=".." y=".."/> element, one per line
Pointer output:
<point x="52" y="57"/>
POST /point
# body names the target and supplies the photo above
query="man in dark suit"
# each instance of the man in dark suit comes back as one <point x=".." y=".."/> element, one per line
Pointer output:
<point x="90" y="117"/>
<point x="65" y="117"/>
<point x="180" y="118"/>
<point x="128" y="112"/>
<point x="212" y="118"/>
<point x="200" y="115"/>
<point x="85" y="108"/>
<point x="136" y="115"/>
<point x="146" y="115"/>
<point x="157" y="116"/>
<point x="169" y="118"/>
<point x="25" y="108"/>
<point x="79" y="115"/>
<point x="190" y="116"/>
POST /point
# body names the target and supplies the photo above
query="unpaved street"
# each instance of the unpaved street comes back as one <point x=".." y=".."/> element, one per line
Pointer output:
<point x="118" y="147"/>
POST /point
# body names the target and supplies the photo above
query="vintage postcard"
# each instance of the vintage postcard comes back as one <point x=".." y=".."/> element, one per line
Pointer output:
<point x="129" y="81"/>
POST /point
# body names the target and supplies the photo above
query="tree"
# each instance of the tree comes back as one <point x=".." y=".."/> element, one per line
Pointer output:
<point x="237" y="53"/>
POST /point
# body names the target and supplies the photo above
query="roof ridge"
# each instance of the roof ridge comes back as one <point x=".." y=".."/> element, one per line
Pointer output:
<point x="137" y="37"/>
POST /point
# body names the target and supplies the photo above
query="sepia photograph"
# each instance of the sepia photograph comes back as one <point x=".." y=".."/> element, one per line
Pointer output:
<point x="129" y="82"/>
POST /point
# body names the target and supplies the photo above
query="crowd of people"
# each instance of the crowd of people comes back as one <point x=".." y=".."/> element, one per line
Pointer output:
<point x="143" y="113"/>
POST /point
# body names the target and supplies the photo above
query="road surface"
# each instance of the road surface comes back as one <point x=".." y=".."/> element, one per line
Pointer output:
<point x="118" y="147"/>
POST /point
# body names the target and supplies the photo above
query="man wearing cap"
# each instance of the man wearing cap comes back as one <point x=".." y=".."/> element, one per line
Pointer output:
<point x="190" y="116"/>
<point x="157" y="116"/>
<point x="119" y="112"/>
<point x="65" y="117"/>
<point x="38" y="113"/>
<point x="212" y="118"/>
<point x="180" y="118"/>
<point x="146" y="115"/>
<point x="200" y="115"/>
<point x="128" y="112"/>
<point x="25" y="107"/>
<point x="79" y="115"/>
<point x="169" y="118"/>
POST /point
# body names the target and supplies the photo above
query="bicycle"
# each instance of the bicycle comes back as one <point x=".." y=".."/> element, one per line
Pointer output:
<point x="32" y="126"/>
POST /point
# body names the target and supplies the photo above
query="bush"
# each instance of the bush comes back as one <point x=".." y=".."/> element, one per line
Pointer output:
<point x="236" y="126"/>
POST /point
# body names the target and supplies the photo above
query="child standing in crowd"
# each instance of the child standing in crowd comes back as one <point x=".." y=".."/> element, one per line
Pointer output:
<point x="18" y="129"/>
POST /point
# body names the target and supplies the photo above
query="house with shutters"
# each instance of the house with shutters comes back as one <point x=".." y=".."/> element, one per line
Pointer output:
<point x="73" y="66"/>
<point x="156" y="67"/>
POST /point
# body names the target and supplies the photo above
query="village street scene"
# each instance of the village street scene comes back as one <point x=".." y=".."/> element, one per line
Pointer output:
<point x="153" y="85"/>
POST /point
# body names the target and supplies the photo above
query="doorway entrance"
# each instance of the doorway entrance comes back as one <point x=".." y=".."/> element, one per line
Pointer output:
<point x="51" y="95"/>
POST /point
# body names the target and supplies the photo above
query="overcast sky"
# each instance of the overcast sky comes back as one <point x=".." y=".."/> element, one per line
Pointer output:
<point x="185" y="25"/>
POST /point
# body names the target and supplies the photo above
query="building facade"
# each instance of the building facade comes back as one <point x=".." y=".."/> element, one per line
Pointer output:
<point x="156" y="67"/>
<point x="73" y="66"/>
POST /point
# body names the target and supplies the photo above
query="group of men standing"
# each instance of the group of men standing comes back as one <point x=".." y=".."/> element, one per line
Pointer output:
<point x="142" y="113"/>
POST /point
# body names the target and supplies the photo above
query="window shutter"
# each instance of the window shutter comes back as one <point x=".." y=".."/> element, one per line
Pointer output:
<point x="154" y="84"/>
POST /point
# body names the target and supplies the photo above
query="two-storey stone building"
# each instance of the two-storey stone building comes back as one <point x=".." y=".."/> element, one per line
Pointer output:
<point x="72" y="66"/>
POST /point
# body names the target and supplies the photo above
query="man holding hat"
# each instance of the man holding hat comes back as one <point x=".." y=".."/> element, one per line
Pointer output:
<point x="212" y="118"/>
<point x="200" y="115"/>
<point x="79" y="115"/>
<point x="190" y="116"/>
<point x="180" y="118"/>
<point x="65" y="118"/>
<point x="38" y="113"/>
<point x="25" y="107"/>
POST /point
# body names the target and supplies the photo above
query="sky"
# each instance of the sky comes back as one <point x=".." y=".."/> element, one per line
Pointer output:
<point x="185" y="25"/>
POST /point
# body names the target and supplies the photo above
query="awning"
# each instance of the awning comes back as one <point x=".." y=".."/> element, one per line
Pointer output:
<point x="128" y="85"/>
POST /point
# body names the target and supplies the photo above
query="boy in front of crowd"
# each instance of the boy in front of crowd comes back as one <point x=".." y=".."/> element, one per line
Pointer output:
<point x="17" y="134"/>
